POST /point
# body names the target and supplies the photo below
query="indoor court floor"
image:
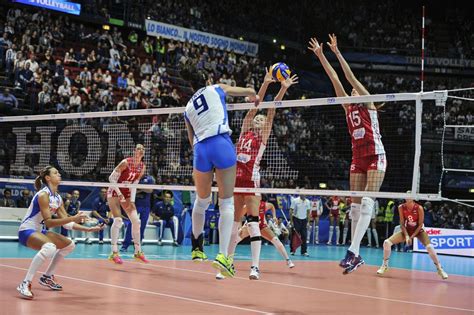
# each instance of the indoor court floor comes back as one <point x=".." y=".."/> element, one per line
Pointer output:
<point x="172" y="284"/>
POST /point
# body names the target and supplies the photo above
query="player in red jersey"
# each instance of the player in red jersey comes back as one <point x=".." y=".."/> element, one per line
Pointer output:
<point x="266" y="232"/>
<point x="411" y="224"/>
<point x="129" y="170"/>
<point x="252" y="143"/>
<point x="316" y="211"/>
<point x="368" y="154"/>
<point x="333" y="205"/>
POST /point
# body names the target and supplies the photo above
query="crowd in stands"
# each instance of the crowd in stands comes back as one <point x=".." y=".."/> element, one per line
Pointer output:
<point x="64" y="66"/>
<point x="360" y="26"/>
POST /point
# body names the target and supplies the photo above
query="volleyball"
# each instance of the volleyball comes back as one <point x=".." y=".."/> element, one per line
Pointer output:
<point x="280" y="71"/>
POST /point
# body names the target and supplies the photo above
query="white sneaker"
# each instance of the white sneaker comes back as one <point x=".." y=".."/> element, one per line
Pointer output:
<point x="220" y="276"/>
<point x="290" y="263"/>
<point x="442" y="273"/>
<point x="382" y="269"/>
<point x="24" y="289"/>
<point x="254" y="273"/>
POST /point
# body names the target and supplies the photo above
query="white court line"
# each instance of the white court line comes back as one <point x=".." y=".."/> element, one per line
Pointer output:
<point x="149" y="292"/>
<point x="322" y="290"/>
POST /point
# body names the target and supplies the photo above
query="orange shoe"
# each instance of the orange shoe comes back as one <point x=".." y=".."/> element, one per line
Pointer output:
<point x="140" y="256"/>
<point x="115" y="257"/>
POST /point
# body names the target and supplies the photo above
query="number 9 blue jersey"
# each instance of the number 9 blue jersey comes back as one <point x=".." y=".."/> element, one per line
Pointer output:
<point x="206" y="112"/>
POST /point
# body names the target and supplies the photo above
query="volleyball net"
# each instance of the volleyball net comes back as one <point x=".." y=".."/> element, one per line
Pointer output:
<point x="308" y="152"/>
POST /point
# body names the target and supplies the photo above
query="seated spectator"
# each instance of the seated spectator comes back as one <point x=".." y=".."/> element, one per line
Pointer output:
<point x="25" y="76"/>
<point x="70" y="58"/>
<point x="44" y="99"/>
<point x="7" y="200"/>
<point x="81" y="58"/>
<point x="146" y="85"/>
<point x="100" y="211"/>
<point x="114" y="64"/>
<point x="64" y="90"/>
<point x="8" y="101"/>
<point x="92" y="59"/>
<point x="85" y="75"/>
<point x="175" y="96"/>
<point x="163" y="216"/>
<point x="284" y="232"/>
<point x="122" y="81"/>
<point x="124" y="104"/>
<point x="61" y="105"/>
<point x="107" y="78"/>
<point x="146" y="69"/>
<point x="32" y="63"/>
<point x="131" y="83"/>
<point x="25" y="199"/>
<point x="74" y="101"/>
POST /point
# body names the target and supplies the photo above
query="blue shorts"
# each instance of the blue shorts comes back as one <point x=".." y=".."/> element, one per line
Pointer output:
<point x="25" y="234"/>
<point x="217" y="151"/>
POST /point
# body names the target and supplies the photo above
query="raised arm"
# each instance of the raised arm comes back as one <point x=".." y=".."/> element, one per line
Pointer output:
<point x="346" y="68"/>
<point x="285" y="85"/>
<point x="240" y="91"/>
<point x="247" y="123"/>
<point x="317" y="49"/>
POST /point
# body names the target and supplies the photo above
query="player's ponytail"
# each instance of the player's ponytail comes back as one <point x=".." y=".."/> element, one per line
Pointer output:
<point x="41" y="178"/>
<point x="38" y="183"/>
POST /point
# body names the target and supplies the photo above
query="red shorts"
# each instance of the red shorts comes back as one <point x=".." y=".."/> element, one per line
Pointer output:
<point x="112" y="193"/>
<point x="335" y="214"/>
<point x="245" y="182"/>
<point x="363" y="164"/>
<point x="314" y="214"/>
<point x="262" y="225"/>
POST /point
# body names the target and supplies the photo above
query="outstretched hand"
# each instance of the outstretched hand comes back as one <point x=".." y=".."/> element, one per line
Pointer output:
<point x="268" y="76"/>
<point x="315" y="47"/>
<point x="290" y="81"/>
<point x="333" y="43"/>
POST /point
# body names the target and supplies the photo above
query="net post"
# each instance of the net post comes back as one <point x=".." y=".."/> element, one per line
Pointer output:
<point x="415" y="185"/>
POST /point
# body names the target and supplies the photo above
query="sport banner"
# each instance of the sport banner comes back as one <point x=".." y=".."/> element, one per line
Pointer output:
<point x="448" y="241"/>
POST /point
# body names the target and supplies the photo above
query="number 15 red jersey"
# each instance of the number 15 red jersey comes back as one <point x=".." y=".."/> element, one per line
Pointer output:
<point x="363" y="125"/>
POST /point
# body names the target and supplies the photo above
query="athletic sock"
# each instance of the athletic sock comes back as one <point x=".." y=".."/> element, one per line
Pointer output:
<point x="255" y="242"/>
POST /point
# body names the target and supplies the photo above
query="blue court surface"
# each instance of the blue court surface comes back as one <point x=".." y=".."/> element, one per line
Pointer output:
<point x="453" y="265"/>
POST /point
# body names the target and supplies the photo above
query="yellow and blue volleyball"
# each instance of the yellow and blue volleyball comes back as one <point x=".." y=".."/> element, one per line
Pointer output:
<point x="280" y="71"/>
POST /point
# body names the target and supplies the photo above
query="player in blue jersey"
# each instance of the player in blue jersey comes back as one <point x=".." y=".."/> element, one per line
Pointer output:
<point x="50" y="245"/>
<point x="209" y="134"/>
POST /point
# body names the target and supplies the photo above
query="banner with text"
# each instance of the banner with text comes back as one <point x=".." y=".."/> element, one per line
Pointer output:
<point x="157" y="29"/>
<point x="448" y="241"/>
<point x="57" y="5"/>
<point x="464" y="133"/>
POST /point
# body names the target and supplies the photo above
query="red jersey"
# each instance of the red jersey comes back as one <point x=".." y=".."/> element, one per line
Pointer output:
<point x="363" y="125"/>
<point x="128" y="175"/>
<point x="250" y="150"/>
<point x="334" y="204"/>
<point x="132" y="172"/>
<point x="411" y="217"/>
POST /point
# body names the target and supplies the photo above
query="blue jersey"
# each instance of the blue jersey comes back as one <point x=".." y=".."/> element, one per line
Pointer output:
<point x="101" y="206"/>
<point x="206" y="112"/>
<point x="33" y="219"/>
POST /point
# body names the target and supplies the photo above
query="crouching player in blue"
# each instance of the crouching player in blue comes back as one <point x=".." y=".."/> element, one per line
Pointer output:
<point x="50" y="245"/>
